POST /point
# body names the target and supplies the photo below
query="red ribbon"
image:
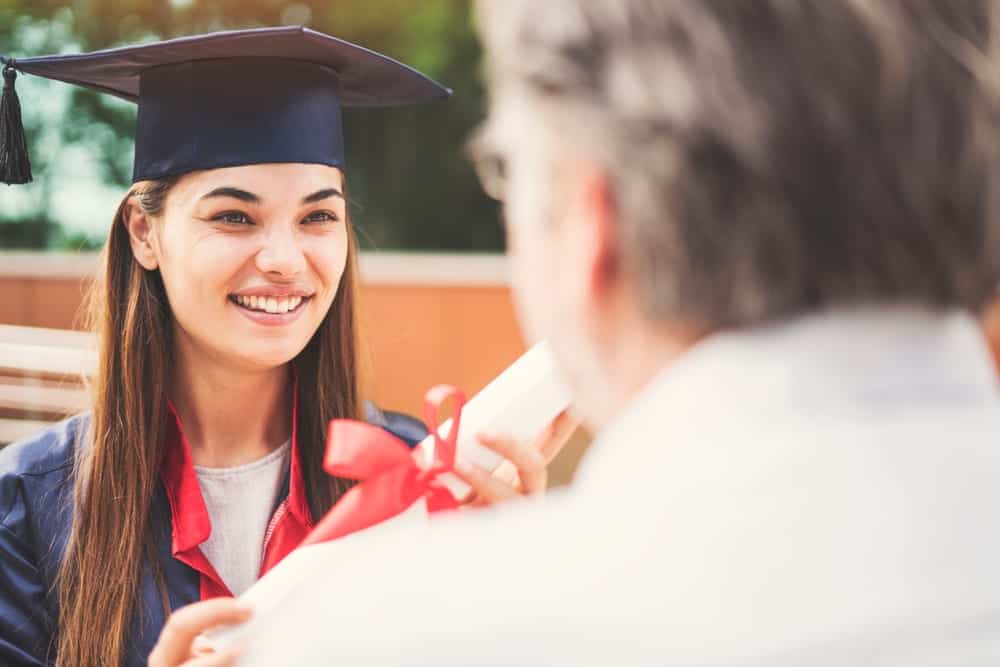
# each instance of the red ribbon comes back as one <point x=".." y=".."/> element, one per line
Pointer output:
<point x="391" y="474"/>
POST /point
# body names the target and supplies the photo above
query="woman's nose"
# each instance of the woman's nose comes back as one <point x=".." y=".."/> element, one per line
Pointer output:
<point x="281" y="254"/>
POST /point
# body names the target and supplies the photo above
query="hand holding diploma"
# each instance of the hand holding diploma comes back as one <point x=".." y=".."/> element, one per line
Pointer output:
<point x="524" y="470"/>
<point x="180" y="643"/>
<point x="457" y="461"/>
<point x="495" y="447"/>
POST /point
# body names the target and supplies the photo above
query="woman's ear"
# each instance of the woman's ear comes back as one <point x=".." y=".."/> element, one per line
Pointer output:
<point x="140" y="232"/>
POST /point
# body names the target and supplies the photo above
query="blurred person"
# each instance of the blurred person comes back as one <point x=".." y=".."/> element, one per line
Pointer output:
<point x="226" y="323"/>
<point x="990" y="320"/>
<point x="755" y="233"/>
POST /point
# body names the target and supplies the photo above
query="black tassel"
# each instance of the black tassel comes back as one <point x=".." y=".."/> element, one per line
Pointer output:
<point x="15" y="166"/>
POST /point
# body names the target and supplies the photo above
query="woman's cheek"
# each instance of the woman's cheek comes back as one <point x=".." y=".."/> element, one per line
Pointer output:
<point x="204" y="256"/>
<point x="328" y="256"/>
<point x="226" y="253"/>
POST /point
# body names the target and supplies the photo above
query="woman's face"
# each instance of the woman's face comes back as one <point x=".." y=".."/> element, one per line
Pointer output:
<point x="251" y="258"/>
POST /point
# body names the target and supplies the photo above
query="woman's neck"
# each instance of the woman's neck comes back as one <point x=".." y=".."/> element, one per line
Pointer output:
<point x="231" y="417"/>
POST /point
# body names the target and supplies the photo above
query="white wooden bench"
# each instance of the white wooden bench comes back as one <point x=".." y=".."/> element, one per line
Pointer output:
<point x="41" y="377"/>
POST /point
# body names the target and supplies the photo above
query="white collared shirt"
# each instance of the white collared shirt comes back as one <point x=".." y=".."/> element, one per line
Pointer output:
<point x="821" y="492"/>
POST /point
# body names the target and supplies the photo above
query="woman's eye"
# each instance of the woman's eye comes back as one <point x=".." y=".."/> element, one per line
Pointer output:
<point x="233" y="218"/>
<point x="320" y="216"/>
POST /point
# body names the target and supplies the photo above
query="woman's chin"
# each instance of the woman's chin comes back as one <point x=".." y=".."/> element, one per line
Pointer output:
<point x="270" y="356"/>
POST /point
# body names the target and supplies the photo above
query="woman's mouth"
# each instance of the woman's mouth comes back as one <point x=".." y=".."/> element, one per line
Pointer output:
<point x="270" y="304"/>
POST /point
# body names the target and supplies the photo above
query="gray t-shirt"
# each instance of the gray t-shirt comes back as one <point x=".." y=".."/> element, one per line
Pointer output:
<point x="239" y="502"/>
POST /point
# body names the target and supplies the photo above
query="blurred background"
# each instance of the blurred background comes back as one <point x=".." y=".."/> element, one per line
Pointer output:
<point x="435" y="301"/>
<point x="409" y="183"/>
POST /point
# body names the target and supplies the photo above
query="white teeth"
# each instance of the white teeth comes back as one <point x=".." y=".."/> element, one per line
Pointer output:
<point x="272" y="304"/>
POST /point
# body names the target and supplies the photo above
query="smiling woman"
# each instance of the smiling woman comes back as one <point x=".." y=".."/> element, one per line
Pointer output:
<point x="226" y="319"/>
<point x="236" y="195"/>
<point x="255" y="253"/>
<point x="265" y="304"/>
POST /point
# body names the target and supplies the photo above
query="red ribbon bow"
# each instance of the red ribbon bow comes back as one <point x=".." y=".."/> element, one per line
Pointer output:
<point x="391" y="475"/>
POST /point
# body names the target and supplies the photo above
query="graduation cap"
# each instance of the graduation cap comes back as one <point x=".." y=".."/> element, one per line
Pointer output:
<point x="224" y="99"/>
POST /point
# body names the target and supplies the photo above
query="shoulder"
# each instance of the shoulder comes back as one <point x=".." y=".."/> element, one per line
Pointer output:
<point x="408" y="429"/>
<point x="38" y="460"/>
<point x="48" y="450"/>
<point x="35" y="489"/>
<point x="499" y="574"/>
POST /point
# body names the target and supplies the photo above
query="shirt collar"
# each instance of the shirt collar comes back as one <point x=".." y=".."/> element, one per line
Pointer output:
<point x="188" y="515"/>
<point x="190" y="521"/>
<point x="298" y="505"/>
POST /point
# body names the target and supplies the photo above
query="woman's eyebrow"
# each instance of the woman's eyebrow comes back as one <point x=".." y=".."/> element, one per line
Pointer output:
<point x="235" y="193"/>
<point x="320" y="195"/>
<point x="243" y="195"/>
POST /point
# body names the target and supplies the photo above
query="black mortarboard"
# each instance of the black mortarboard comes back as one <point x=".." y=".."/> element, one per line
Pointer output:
<point x="226" y="98"/>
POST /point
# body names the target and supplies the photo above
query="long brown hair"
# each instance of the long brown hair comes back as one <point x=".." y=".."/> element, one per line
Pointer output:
<point x="118" y="460"/>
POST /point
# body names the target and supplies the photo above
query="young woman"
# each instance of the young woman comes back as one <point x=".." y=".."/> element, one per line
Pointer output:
<point x="227" y="332"/>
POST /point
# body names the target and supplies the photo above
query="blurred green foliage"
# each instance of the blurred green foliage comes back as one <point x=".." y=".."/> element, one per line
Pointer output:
<point x="409" y="182"/>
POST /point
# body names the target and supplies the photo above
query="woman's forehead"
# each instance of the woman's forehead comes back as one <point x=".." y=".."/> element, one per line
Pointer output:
<point x="268" y="182"/>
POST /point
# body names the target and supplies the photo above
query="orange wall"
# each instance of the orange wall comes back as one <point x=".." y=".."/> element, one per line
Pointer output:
<point x="416" y="336"/>
<point x="40" y="302"/>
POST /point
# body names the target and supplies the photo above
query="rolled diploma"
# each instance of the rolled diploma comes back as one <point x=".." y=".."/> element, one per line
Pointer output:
<point x="519" y="403"/>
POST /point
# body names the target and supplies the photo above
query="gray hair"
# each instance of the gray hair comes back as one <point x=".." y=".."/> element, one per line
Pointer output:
<point x="775" y="156"/>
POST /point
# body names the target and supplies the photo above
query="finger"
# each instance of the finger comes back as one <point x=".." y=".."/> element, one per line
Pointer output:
<point x="552" y="440"/>
<point x="529" y="461"/>
<point x="175" y="642"/>
<point x="506" y="473"/>
<point x="202" y="645"/>
<point x="226" y="658"/>
<point x="471" y="499"/>
<point x="487" y="489"/>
